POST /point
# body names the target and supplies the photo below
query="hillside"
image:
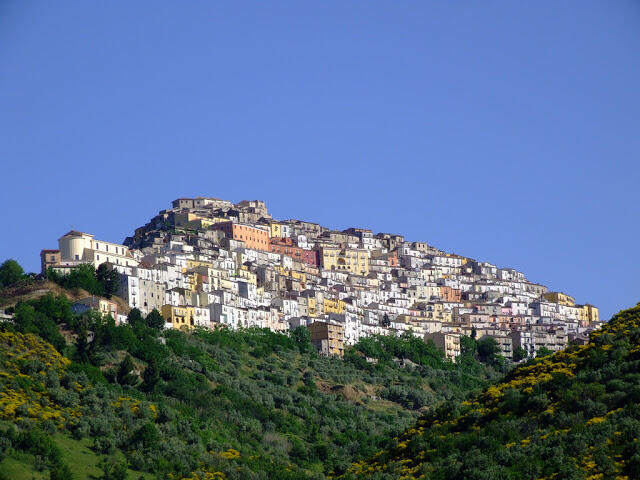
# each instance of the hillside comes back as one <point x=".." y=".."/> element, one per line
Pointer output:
<point x="245" y="404"/>
<point x="572" y="415"/>
<point x="37" y="288"/>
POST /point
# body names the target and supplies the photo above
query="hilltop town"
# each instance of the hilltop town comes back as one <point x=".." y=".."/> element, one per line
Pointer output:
<point x="208" y="262"/>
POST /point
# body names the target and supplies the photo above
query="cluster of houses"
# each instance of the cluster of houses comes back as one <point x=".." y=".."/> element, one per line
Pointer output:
<point x="208" y="262"/>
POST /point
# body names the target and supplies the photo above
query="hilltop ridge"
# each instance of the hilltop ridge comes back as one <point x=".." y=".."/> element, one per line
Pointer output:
<point x="209" y="262"/>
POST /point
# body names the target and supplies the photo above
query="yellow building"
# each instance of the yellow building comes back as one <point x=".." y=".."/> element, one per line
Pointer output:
<point x="191" y="280"/>
<point x="244" y="273"/>
<point x="312" y="306"/>
<point x="583" y="313"/>
<point x="334" y="306"/>
<point x="275" y="230"/>
<point x="559" y="297"/>
<point x="193" y="221"/>
<point x="351" y="260"/>
<point x="591" y="313"/>
<point x="179" y="317"/>
<point x="198" y="263"/>
<point x="300" y="276"/>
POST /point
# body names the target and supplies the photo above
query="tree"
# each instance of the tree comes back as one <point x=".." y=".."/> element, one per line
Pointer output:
<point x="386" y="322"/>
<point x="82" y="347"/>
<point x="468" y="346"/>
<point x="60" y="471"/>
<point x="112" y="469"/>
<point x="147" y="435"/>
<point x="302" y="338"/>
<point x="488" y="350"/>
<point x="519" y="354"/>
<point x="28" y="319"/>
<point x="134" y="319"/>
<point x="155" y="320"/>
<point x="126" y="375"/>
<point x="82" y="276"/>
<point x="109" y="278"/>
<point x="10" y="273"/>
<point x="151" y="376"/>
<point x="543" y="352"/>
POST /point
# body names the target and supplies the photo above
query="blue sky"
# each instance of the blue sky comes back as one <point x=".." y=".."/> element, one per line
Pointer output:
<point x="505" y="131"/>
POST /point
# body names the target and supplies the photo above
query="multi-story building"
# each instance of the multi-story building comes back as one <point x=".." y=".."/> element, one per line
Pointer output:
<point x="350" y="260"/>
<point x="328" y="338"/>
<point x="75" y="248"/>
<point x="254" y="236"/>
<point x="448" y="342"/>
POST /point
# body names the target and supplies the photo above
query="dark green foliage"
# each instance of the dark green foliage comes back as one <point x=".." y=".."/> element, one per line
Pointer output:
<point x="155" y="320"/>
<point x="519" y="354"/>
<point x="135" y="319"/>
<point x="488" y="350"/>
<point x="302" y="338"/>
<point x="407" y="346"/>
<point x="60" y="471"/>
<point x="543" y="352"/>
<point x="109" y="279"/>
<point x="82" y="347"/>
<point x="151" y="376"/>
<point x="83" y="276"/>
<point x="468" y="346"/>
<point x="126" y="374"/>
<point x="10" y="273"/>
<point x="42" y="317"/>
<point x="113" y="469"/>
<point x="147" y="437"/>
<point x="36" y="442"/>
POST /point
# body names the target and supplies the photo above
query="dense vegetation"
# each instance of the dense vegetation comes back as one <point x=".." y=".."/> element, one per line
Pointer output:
<point x="207" y="404"/>
<point x="571" y="415"/>
<point x="12" y="274"/>
<point x="103" y="281"/>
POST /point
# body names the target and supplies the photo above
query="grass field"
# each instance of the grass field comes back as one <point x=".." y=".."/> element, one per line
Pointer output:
<point x="77" y="454"/>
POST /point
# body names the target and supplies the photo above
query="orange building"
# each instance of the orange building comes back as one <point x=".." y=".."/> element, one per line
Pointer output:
<point x="256" y="238"/>
<point x="449" y="294"/>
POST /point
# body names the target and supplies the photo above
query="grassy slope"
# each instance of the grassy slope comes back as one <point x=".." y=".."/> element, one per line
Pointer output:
<point x="10" y="296"/>
<point x="77" y="454"/>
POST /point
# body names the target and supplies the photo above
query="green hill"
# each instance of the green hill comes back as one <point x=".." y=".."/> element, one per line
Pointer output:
<point x="572" y="415"/>
<point x="248" y="404"/>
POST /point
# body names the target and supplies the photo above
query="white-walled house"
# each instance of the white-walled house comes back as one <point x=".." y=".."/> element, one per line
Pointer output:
<point x="78" y="247"/>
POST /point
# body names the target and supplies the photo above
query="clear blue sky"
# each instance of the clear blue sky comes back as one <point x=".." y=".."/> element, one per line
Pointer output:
<point x="505" y="131"/>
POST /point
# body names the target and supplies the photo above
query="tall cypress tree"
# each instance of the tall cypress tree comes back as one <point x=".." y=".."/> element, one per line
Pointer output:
<point x="126" y="375"/>
<point x="151" y="376"/>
